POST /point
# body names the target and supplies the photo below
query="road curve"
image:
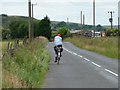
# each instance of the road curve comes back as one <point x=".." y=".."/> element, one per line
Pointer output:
<point x="81" y="69"/>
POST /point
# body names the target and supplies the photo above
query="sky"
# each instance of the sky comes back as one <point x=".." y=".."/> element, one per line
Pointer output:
<point x="60" y="10"/>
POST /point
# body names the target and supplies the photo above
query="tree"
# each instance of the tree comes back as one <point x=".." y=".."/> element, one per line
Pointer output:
<point x="64" y="32"/>
<point x="13" y="28"/>
<point x="61" y="24"/>
<point x="22" y="30"/>
<point x="99" y="28"/>
<point x="45" y="28"/>
<point x="5" y="32"/>
<point x="19" y="29"/>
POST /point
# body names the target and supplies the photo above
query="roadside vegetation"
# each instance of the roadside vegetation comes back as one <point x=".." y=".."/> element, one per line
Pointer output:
<point x="0" y="59"/>
<point x="63" y="31"/>
<point x="27" y="67"/>
<point x="24" y="66"/>
<point x="107" y="46"/>
<point x="18" y="27"/>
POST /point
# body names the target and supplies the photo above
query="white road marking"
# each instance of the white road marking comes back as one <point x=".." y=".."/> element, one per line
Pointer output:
<point x="96" y="64"/>
<point x="74" y="53"/>
<point x="86" y="59"/>
<point x="70" y="52"/>
<point x="80" y="56"/>
<point x="67" y="50"/>
<point x="91" y="62"/>
<point x="111" y="72"/>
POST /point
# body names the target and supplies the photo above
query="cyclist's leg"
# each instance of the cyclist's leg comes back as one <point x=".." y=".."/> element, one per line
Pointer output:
<point x="55" y="49"/>
<point x="61" y="51"/>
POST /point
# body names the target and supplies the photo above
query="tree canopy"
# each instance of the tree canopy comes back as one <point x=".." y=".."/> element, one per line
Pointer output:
<point x="19" y="28"/>
<point x="64" y="32"/>
<point x="45" y="28"/>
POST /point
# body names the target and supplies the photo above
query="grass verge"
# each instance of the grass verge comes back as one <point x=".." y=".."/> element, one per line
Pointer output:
<point x="28" y="67"/>
<point x="107" y="46"/>
<point x="0" y="65"/>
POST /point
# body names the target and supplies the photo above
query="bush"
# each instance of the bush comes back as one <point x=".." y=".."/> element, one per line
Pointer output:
<point x="112" y="32"/>
<point x="64" y="32"/>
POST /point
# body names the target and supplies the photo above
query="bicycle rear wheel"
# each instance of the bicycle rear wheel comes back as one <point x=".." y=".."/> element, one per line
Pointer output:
<point x="58" y="60"/>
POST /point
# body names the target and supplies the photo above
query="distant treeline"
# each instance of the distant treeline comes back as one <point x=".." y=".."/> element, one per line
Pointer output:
<point x="17" y="27"/>
<point x="74" y="26"/>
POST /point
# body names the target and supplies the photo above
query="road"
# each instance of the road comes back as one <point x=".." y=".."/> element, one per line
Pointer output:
<point x="81" y="69"/>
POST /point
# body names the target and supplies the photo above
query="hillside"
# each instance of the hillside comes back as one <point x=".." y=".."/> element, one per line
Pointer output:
<point x="6" y="20"/>
<point x="108" y="26"/>
<point x="55" y="25"/>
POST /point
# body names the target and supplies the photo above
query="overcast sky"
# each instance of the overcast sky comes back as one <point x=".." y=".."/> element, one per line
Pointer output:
<point x="60" y="10"/>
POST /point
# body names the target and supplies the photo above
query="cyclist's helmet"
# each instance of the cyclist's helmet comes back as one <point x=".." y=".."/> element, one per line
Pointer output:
<point x="59" y="34"/>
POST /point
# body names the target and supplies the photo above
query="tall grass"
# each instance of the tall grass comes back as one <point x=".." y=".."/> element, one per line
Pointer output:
<point x="0" y="75"/>
<point x="107" y="46"/>
<point x="0" y="65"/>
<point x="28" y="66"/>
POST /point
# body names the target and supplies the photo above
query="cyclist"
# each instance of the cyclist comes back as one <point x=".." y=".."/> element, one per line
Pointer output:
<point x="58" y="42"/>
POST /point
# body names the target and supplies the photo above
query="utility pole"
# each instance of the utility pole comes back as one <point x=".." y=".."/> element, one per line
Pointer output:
<point x="81" y="19"/>
<point x="94" y="16"/>
<point x="118" y="23"/>
<point x="29" y="11"/>
<point x="111" y="19"/>
<point x="32" y="20"/>
<point x="68" y="23"/>
<point x="118" y="26"/>
<point x="67" y="20"/>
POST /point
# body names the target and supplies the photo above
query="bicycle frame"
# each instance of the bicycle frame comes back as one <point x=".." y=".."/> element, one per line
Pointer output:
<point x="58" y="54"/>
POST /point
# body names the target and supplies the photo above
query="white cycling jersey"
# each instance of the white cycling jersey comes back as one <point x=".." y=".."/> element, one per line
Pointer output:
<point x="57" y="40"/>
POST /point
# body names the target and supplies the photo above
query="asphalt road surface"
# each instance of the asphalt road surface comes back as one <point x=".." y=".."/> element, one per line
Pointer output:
<point x="81" y="69"/>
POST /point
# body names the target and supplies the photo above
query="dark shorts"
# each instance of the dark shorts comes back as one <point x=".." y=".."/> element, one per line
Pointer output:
<point x="55" y="48"/>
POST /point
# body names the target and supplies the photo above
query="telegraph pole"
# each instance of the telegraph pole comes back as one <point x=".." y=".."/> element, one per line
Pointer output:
<point x="68" y="23"/>
<point x="81" y="19"/>
<point x="118" y="23"/>
<point x="67" y="20"/>
<point x="32" y="21"/>
<point x="29" y="11"/>
<point x="111" y="19"/>
<point x="94" y="16"/>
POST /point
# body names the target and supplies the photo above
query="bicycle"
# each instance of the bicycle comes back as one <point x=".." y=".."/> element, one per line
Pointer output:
<point x="58" y="54"/>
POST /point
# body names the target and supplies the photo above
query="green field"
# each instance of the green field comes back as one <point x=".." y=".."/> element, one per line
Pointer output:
<point x="107" y="46"/>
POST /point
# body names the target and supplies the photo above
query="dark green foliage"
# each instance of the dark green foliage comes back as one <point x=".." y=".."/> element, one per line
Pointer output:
<point x="23" y="30"/>
<point x="64" y="32"/>
<point x="19" y="29"/>
<point x="5" y="33"/>
<point x="61" y="24"/>
<point x="36" y="28"/>
<point x="99" y="28"/>
<point x="45" y="28"/>
<point x="76" y="26"/>
<point x="112" y="32"/>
